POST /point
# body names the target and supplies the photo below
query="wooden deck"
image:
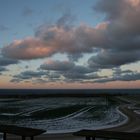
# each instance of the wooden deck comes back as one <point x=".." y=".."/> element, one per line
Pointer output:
<point x="20" y="131"/>
<point x="92" y="134"/>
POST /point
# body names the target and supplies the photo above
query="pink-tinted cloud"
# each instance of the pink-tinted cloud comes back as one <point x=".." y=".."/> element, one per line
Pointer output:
<point x="29" y="48"/>
<point x="117" y="38"/>
<point x="56" y="39"/>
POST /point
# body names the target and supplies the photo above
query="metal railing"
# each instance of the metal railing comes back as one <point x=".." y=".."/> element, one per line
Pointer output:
<point x="93" y="134"/>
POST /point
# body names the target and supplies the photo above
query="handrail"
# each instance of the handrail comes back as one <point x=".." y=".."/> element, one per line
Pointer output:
<point x="20" y="131"/>
<point x="92" y="134"/>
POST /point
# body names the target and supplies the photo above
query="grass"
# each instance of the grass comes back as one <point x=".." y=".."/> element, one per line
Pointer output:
<point x="98" y="112"/>
<point x="56" y="113"/>
<point x="9" y="110"/>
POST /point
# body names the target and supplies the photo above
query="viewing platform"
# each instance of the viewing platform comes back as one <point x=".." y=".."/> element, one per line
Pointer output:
<point x="20" y="131"/>
<point x="93" y="134"/>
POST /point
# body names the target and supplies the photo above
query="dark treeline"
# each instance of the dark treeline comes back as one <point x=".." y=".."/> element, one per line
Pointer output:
<point x="35" y="93"/>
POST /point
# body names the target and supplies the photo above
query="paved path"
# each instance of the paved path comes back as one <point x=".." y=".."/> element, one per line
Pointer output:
<point x="133" y="123"/>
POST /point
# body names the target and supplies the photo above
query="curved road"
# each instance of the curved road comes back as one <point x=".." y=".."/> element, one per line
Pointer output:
<point x="133" y="123"/>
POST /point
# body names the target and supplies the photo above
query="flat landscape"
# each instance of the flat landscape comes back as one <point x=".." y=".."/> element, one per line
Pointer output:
<point x="64" y="115"/>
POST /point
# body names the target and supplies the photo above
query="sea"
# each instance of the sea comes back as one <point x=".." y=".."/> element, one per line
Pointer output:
<point x="64" y="113"/>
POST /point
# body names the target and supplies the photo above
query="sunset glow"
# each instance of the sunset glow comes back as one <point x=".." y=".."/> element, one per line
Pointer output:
<point x="48" y="44"/>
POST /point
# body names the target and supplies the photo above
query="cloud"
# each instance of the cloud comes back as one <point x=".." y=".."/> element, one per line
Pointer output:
<point x="79" y="72"/>
<point x="57" y="65"/>
<point x="53" y="76"/>
<point x="54" y="71"/>
<point x="120" y="75"/>
<point x="36" y="76"/>
<point x="58" y="38"/>
<point x="2" y="69"/>
<point x="68" y="70"/>
<point x="28" y="75"/>
<point x="123" y="23"/>
<point x="4" y="62"/>
<point x="111" y="58"/>
<point x="66" y="20"/>
<point x="118" y="72"/>
<point x="40" y="81"/>
<point x="81" y="69"/>
<point x="29" y="48"/>
<point x="127" y="77"/>
<point x="66" y="66"/>
<point x="15" y="80"/>
<point x="7" y="61"/>
<point x="80" y="77"/>
<point x="122" y="32"/>
<point x="117" y="38"/>
<point x="73" y="40"/>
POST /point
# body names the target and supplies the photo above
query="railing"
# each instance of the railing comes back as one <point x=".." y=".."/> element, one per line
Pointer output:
<point x="93" y="134"/>
<point x="20" y="131"/>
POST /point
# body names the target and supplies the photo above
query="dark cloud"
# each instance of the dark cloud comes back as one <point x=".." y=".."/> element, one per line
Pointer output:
<point x="26" y="67"/>
<point x="81" y="69"/>
<point x="123" y="23"/>
<point x="74" y="57"/>
<point x="54" y="71"/>
<point x="111" y="8"/>
<point x="80" y="76"/>
<point x="111" y="58"/>
<point x="27" y="75"/>
<point x="118" y="71"/>
<point x="123" y="43"/>
<point x="68" y="70"/>
<point x="66" y="66"/>
<point x="129" y="77"/>
<point x="2" y="69"/>
<point x="57" y="65"/>
<point x="36" y="76"/>
<point x="119" y="75"/>
<point x="7" y="61"/>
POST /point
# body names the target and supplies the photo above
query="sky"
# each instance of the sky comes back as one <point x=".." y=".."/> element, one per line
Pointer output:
<point x="92" y="44"/>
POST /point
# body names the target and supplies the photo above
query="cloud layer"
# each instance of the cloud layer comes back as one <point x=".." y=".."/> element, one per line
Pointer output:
<point x="121" y="76"/>
<point x="117" y="38"/>
<point x="113" y="42"/>
<point x="123" y="33"/>
<point x="7" y="61"/>
<point x="56" y="39"/>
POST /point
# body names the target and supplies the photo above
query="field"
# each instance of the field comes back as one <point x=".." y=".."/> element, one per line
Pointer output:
<point x="61" y="114"/>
